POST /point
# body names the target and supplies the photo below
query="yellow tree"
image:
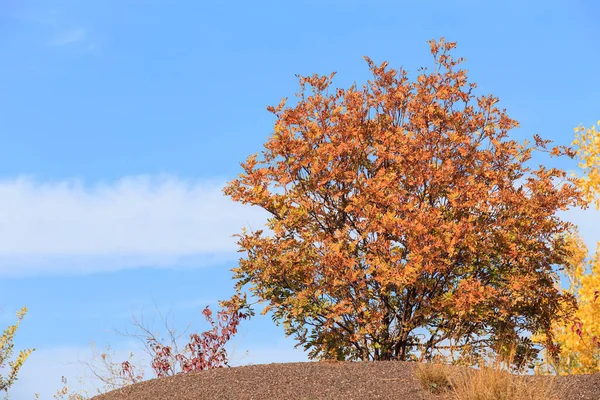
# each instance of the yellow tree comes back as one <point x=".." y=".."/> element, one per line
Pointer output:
<point x="6" y="347"/>
<point x="588" y="149"/>
<point x="588" y="143"/>
<point x="578" y="337"/>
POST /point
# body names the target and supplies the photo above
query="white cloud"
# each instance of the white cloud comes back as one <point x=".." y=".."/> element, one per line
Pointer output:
<point x="155" y="221"/>
<point x="58" y="29"/>
<point x="64" y="226"/>
<point x="69" y="36"/>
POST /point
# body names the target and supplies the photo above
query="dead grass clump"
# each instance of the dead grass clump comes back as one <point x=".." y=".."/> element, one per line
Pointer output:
<point x="491" y="383"/>
<point x="434" y="377"/>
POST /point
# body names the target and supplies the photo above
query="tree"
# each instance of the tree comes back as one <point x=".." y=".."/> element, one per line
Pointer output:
<point x="397" y="225"/>
<point x="6" y="349"/>
<point x="588" y="143"/>
<point x="588" y="150"/>
<point x="578" y="336"/>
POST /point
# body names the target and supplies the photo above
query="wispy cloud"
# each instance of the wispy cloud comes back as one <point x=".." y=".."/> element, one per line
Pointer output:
<point x="65" y="226"/>
<point x="58" y="29"/>
<point x="68" y="227"/>
<point x="69" y="36"/>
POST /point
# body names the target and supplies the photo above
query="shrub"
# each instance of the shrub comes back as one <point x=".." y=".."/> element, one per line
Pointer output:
<point x="204" y="351"/>
<point x="6" y="349"/>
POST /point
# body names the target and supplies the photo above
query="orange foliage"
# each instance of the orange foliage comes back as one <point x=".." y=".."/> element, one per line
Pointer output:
<point x="395" y="210"/>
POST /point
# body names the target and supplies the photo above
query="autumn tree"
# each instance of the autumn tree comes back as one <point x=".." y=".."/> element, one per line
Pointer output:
<point x="588" y="151"/>
<point x="578" y="337"/>
<point x="587" y="141"/>
<point x="401" y="222"/>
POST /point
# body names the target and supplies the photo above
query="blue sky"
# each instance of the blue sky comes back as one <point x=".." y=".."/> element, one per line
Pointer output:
<point x="121" y="120"/>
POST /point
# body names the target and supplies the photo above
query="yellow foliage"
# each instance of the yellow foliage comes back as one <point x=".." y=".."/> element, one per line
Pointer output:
<point x="580" y="353"/>
<point x="588" y="142"/>
<point x="6" y="348"/>
<point x="580" y="348"/>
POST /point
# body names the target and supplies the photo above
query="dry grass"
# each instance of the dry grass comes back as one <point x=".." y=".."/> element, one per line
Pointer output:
<point x="495" y="384"/>
<point x="491" y="382"/>
<point x="434" y="378"/>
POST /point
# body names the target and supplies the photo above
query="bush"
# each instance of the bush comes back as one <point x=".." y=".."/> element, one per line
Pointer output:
<point x="6" y="349"/>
